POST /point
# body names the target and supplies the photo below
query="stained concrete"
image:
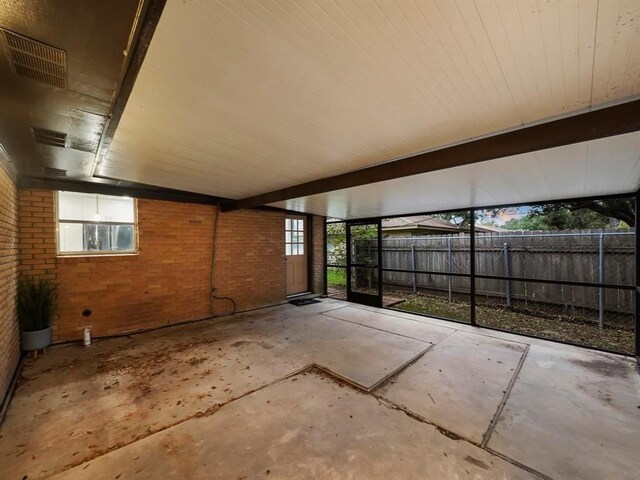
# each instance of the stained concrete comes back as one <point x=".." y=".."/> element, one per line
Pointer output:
<point x="573" y="414"/>
<point x="459" y="384"/>
<point x="304" y="427"/>
<point x="76" y="404"/>
<point x="120" y="390"/>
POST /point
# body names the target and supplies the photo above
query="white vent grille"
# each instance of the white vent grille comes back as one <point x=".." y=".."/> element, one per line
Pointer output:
<point x="49" y="137"/>
<point x="36" y="60"/>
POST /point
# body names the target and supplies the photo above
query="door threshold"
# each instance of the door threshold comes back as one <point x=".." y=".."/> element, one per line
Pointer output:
<point x="296" y="295"/>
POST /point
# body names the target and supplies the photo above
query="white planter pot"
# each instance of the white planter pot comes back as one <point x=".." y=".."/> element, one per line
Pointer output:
<point x="35" y="340"/>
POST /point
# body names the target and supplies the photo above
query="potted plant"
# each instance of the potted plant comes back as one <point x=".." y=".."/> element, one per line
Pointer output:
<point x="36" y="308"/>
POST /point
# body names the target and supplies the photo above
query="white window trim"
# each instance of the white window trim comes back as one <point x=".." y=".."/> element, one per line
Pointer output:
<point x="96" y="253"/>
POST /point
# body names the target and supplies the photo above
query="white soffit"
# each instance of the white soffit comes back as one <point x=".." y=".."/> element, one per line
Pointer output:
<point x="237" y="98"/>
<point x="599" y="167"/>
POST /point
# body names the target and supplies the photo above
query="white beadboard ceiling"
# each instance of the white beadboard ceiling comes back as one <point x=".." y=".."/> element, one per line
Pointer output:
<point x="237" y="98"/>
<point x="599" y="167"/>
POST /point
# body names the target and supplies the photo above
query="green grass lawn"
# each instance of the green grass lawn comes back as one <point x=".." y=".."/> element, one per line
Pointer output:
<point x="337" y="277"/>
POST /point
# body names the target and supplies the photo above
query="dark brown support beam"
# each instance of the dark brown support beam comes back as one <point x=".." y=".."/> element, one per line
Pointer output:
<point x="145" y="28"/>
<point x="115" y="188"/>
<point x="605" y="122"/>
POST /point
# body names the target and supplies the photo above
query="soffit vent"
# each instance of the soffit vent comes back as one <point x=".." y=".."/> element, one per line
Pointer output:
<point x="54" y="172"/>
<point x="49" y="137"/>
<point x="36" y="60"/>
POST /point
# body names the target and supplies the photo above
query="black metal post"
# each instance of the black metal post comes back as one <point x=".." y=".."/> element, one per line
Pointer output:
<point x="637" y="258"/>
<point x="472" y="266"/>
<point x="324" y="254"/>
<point x="309" y="250"/>
<point x="380" y="273"/>
<point x="347" y="227"/>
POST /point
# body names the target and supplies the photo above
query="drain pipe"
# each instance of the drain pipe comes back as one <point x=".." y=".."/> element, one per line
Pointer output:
<point x="213" y="268"/>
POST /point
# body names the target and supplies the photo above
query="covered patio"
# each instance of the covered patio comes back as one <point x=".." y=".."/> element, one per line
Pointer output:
<point x="332" y="239"/>
<point x="327" y="389"/>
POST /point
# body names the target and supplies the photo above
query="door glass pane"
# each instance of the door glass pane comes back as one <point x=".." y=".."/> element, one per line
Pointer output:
<point x="301" y="249"/>
<point x="336" y="244"/>
<point x="364" y="244"/>
<point x="287" y="224"/>
<point x="288" y="249"/>
<point x="287" y="236"/>
<point x="364" y="280"/>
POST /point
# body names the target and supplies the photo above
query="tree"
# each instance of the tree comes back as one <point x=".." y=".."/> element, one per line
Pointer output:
<point x="583" y="215"/>
<point x="622" y="209"/>
<point x="336" y="244"/>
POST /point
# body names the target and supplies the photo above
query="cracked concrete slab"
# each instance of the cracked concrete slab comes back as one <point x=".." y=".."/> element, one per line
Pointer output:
<point x="120" y="390"/>
<point x="275" y="433"/>
<point x="76" y="404"/>
<point x="573" y="414"/>
<point x="364" y="356"/>
<point x="458" y="384"/>
<point x="407" y="327"/>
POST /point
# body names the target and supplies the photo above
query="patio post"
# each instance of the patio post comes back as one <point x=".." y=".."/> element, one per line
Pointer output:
<point x="449" y="266"/>
<point x="601" y="292"/>
<point x="472" y="266"/>
<point x="637" y="259"/>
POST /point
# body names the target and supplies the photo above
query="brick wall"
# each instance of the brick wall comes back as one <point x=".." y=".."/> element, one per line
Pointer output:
<point x="9" y="330"/>
<point x="250" y="265"/>
<point x="37" y="234"/>
<point x="166" y="282"/>
<point x="169" y="280"/>
<point x="318" y="251"/>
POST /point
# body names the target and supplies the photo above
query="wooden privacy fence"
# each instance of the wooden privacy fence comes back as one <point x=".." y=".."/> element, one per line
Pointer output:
<point x="576" y="256"/>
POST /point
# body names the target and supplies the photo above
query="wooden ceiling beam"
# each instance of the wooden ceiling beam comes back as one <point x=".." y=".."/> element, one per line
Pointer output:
<point x="601" y="123"/>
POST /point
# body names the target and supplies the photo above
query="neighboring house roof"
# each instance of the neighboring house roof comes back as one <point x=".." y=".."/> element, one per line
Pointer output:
<point x="425" y="223"/>
<point x="489" y="228"/>
<point x="418" y="222"/>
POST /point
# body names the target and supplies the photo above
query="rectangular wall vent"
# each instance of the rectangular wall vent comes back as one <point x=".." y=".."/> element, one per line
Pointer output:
<point x="54" y="172"/>
<point x="36" y="60"/>
<point x="49" y="137"/>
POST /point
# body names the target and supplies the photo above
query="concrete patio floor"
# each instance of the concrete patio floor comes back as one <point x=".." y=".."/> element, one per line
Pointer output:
<point x="328" y="390"/>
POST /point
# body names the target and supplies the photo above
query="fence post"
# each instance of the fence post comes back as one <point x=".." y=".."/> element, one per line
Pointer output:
<point x="413" y="267"/>
<point x="505" y="262"/>
<point x="449" y="266"/>
<point x="601" y="292"/>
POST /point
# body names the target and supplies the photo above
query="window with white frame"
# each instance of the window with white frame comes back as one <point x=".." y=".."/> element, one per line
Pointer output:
<point x="92" y="224"/>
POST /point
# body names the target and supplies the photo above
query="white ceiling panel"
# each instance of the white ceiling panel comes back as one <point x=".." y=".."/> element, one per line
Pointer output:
<point x="238" y="97"/>
<point x="600" y="167"/>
